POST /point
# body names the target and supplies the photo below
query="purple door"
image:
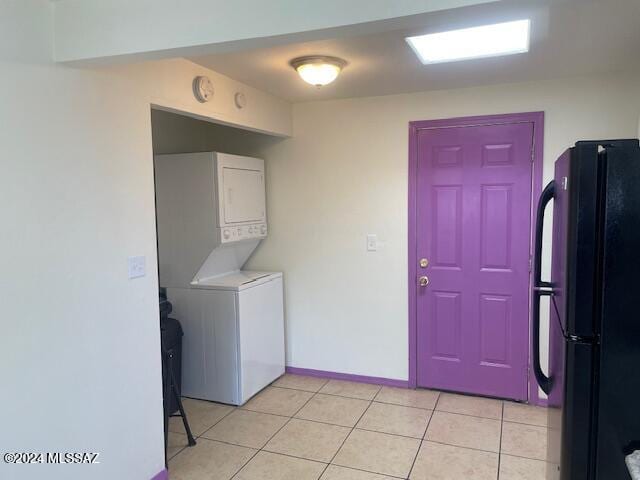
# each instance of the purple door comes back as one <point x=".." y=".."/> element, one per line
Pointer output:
<point x="473" y="227"/>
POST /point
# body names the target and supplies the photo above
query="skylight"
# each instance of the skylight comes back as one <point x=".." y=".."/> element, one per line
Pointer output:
<point x="477" y="42"/>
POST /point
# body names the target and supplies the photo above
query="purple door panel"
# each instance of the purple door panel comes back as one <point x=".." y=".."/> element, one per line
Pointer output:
<point x="473" y="211"/>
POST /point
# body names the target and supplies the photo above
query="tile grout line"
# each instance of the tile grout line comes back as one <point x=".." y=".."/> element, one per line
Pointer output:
<point x="463" y="447"/>
<point x="261" y="449"/>
<point x="527" y="424"/>
<point x="400" y="405"/>
<point x="411" y="406"/>
<point x="502" y="401"/>
<point x="289" y="455"/>
<point x="280" y="429"/>
<point x="421" y="438"/>
<point x="500" y="444"/>
<point x="546" y="427"/>
<point x="354" y="427"/>
<point x="233" y="409"/>
<point x="242" y="409"/>
<point x="433" y="410"/>
<point x="324" y="393"/>
<point x="342" y="425"/>
<point x="176" y="454"/>
<point x="256" y="450"/>
<point x="273" y="384"/>
<point x="435" y="405"/>
<point x="335" y="465"/>
<point x="286" y="388"/>
<point x="392" y="434"/>
<point x="480" y="450"/>
<point x="349" y="434"/>
<point x="222" y="418"/>
<point x="472" y="416"/>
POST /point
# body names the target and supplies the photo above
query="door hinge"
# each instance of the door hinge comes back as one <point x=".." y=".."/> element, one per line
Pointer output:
<point x="530" y="263"/>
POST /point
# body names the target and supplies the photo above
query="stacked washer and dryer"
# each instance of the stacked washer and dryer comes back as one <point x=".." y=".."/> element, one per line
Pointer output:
<point x="211" y="216"/>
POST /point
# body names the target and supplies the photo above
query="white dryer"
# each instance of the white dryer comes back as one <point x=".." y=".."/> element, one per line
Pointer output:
<point x="211" y="215"/>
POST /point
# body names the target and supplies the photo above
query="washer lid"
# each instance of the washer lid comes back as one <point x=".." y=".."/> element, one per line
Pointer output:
<point x="239" y="280"/>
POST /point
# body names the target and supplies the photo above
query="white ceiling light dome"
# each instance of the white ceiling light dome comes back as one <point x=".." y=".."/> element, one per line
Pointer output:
<point x="318" y="70"/>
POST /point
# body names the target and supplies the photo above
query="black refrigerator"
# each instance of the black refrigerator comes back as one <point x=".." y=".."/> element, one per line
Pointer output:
<point x="593" y="382"/>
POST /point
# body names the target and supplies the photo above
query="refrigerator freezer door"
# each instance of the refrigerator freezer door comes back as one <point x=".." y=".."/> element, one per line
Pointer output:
<point x="572" y="358"/>
<point x="618" y="421"/>
<point x="570" y="362"/>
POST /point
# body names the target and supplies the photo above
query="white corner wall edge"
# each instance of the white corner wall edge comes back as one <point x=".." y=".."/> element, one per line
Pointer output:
<point x="84" y="30"/>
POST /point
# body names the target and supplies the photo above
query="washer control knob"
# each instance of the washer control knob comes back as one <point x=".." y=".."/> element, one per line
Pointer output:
<point x="226" y="234"/>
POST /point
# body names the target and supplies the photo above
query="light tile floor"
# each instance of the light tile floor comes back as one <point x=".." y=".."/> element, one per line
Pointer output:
<point x="304" y="428"/>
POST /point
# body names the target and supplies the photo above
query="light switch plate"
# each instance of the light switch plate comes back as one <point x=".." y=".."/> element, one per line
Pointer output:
<point x="137" y="266"/>
<point x="372" y="242"/>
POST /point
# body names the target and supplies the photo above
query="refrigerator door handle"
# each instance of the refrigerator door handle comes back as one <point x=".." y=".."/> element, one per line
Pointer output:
<point x="540" y="287"/>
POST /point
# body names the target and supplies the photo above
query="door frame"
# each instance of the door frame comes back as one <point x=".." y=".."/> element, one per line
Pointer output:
<point x="537" y="119"/>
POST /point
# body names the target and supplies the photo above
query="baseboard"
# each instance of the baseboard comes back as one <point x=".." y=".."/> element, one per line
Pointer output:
<point x="163" y="475"/>
<point x="390" y="382"/>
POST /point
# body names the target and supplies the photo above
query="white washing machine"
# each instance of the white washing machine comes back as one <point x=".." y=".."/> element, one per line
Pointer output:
<point x="211" y="216"/>
<point x="233" y="335"/>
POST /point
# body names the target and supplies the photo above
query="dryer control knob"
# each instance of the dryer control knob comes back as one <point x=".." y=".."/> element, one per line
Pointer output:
<point x="226" y="234"/>
<point x="263" y="229"/>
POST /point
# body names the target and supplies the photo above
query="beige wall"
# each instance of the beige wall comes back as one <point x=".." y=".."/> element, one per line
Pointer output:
<point x="344" y="174"/>
<point x="79" y="341"/>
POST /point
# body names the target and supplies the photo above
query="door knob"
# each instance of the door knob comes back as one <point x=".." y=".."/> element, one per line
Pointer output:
<point x="424" y="263"/>
<point x="423" y="281"/>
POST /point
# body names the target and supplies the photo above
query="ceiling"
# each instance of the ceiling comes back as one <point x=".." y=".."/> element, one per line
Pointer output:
<point x="568" y="37"/>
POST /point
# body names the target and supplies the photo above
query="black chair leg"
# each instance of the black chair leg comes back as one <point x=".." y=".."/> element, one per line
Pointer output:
<point x="166" y="386"/>
<point x="183" y="414"/>
<point x="170" y="388"/>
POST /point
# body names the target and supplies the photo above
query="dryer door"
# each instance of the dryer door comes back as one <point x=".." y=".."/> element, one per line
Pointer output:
<point x="243" y="196"/>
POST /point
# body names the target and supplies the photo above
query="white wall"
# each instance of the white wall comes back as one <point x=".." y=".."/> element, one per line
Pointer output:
<point x="344" y="174"/>
<point x="79" y="342"/>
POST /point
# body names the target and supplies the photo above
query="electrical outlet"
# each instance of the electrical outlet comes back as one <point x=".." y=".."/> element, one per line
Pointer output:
<point x="137" y="266"/>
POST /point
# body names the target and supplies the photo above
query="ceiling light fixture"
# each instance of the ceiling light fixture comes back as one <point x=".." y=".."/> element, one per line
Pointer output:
<point x="477" y="42"/>
<point x="318" y="70"/>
